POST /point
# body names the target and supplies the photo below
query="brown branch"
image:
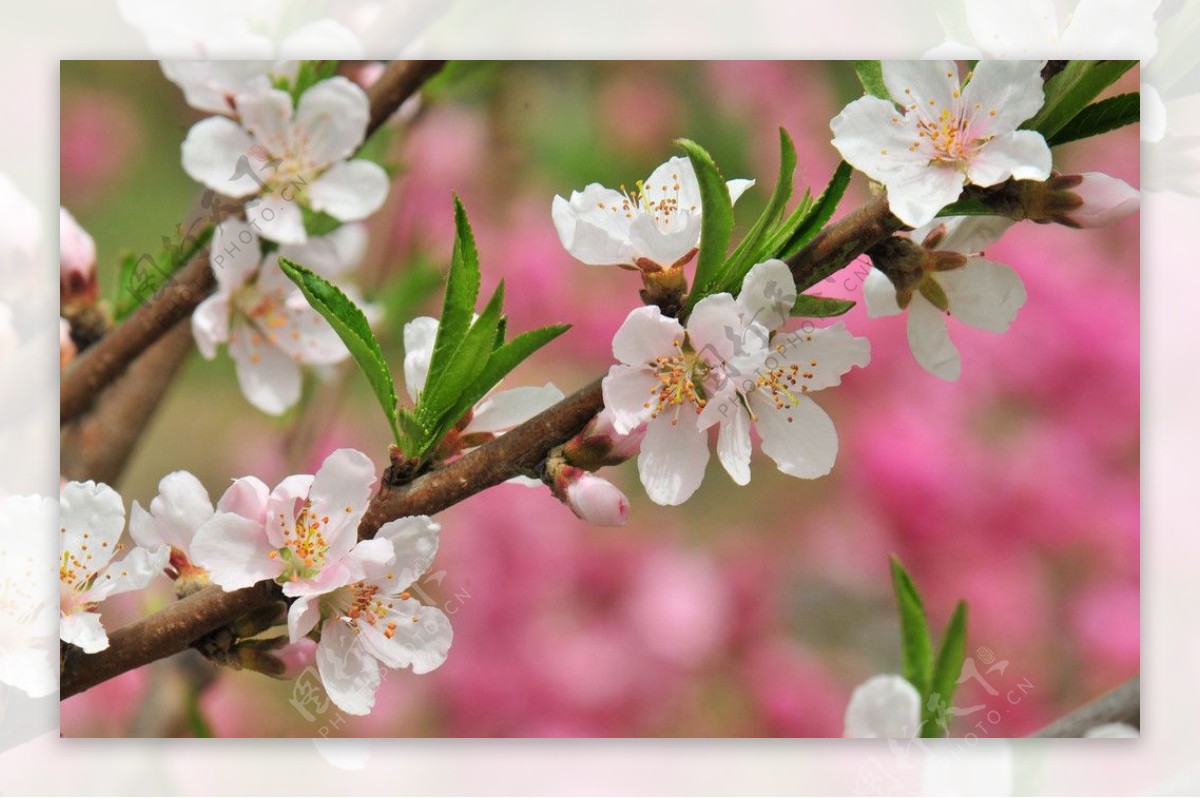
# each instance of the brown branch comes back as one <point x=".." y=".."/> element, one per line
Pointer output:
<point x="515" y="453"/>
<point x="1121" y="705"/>
<point x="102" y="363"/>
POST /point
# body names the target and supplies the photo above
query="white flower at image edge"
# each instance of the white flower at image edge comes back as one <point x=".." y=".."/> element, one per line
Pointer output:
<point x="982" y="293"/>
<point x="28" y="623"/>
<point x="944" y="135"/>
<point x="375" y="620"/>
<point x="796" y="433"/>
<point x="269" y="325"/>
<point x="181" y="507"/>
<point x="305" y="149"/>
<point x="496" y="413"/>
<point x="91" y="519"/>
<point x="658" y="222"/>
<point x="885" y="706"/>
<point x="213" y="85"/>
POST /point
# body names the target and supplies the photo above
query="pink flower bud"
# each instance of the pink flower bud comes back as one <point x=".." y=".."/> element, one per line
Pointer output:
<point x="365" y="73"/>
<point x="66" y="346"/>
<point x="601" y="445"/>
<point x="1105" y="200"/>
<point x="594" y="499"/>
<point x="77" y="261"/>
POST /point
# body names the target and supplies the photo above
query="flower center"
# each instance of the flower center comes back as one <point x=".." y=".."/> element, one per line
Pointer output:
<point x="661" y="202"/>
<point x="304" y="547"/>
<point x="680" y="377"/>
<point x="360" y="603"/>
<point x="781" y="384"/>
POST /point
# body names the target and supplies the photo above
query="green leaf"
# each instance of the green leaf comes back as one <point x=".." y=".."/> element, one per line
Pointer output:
<point x="916" y="648"/>
<point x="750" y="250"/>
<point x="318" y="223"/>
<point x="504" y="359"/>
<point x="716" y="221"/>
<point x="309" y="74"/>
<point x="140" y="277"/>
<point x="415" y="433"/>
<point x="820" y="307"/>
<point x="946" y="670"/>
<point x="462" y="289"/>
<point x="1072" y="90"/>
<point x="817" y="216"/>
<point x="870" y="75"/>
<point x="1100" y="117"/>
<point x="436" y="407"/>
<point x="352" y="327"/>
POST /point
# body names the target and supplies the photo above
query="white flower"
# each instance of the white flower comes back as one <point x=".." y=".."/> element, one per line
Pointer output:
<point x="300" y="534"/>
<point x="262" y="29"/>
<point x="495" y="414"/>
<point x="181" y="507"/>
<point x="666" y="377"/>
<point x="884" y="706"/>
<point x="303" y="154"/>
<point x="981" y="293"/>
<point x="27" y="619"/>
<point x="657" y="226"/>
<point x="213" y="85"/>
<point x="773" y="399"/>
<point x="1113" y="730"/>
<point x="269" y="325"/>
<point x="1031" y="29"/>
<point x="375" y="620"/>
<point x="92" y="517"/>
<point x="945" y="135"/>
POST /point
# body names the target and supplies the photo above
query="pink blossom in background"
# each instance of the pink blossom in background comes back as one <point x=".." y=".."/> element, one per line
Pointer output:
<point x="100" y="132"/>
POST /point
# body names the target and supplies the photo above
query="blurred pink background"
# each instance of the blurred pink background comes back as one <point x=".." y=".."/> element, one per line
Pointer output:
<point x="749" y="611"/>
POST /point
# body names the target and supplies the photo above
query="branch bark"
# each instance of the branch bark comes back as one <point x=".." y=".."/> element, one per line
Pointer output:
<point x="103" y="362"/>
<point x="1121" y="705"/>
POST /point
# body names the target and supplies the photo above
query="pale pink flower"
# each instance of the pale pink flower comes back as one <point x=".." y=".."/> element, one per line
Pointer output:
<point x="181" y="507"/>
<point x="92" y="517"/>
<point x="1105" y="200"/>
<point x="945" y="135"/>
<point x="77" y="260"/>
<point x="591" y="497"/>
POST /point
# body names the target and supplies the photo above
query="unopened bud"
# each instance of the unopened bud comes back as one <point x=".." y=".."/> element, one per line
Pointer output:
<point x="66" y="346"/>
<point x="601" y="445"/>
<point x="592" y="498"/>
<point x="1105" y="199"/>
<point x="77" y="262"/>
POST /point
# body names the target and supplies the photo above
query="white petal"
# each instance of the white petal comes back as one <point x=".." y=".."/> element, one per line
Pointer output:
<point x="800" y="438"/>
<point x="283" y="506"/>
<point x="330" y="255"/>
<point x="504" y="410"/>
<point x="1013" y="29"/>
<point x="921" y="82"/>
<point x="247" y="497"/>
<point x="211" y="85"/>
<point x="1012" y="89"/>
<point x="665" y="243"/>
<point x="733" y="444"/>
<point x="269" y="379"/>
<point x="235" y="551"/>
<point x="594" y="226"/>
<point x="236" y="254"/>
<point x="92" y="515"/>
<point x="768" y="294"/>
<point x="929" y="340"/>
<point x="323" y="38"/>
<point x="350" y="190"/>
<point x="627" y="391"/>
<point x="278" y="218"/>
<point x="266" y="112"/>
<point x="349" y="673"/>
<point x="916" y="196"/>
<point x="420" y="335"/>
<point x="210" y="325"/>
<point x="969" y="235"/>
<point x="884" y="706"/>
<point x="737" y="187"/>
<point x="825" y="353"/>
<point x="984" y="294"/>
<point x="718" y="332"/>
<point x="880" y="295"/>
<point x="1153" y="114"/>
<point x="1100" y="28"/>
<point x="1023" y="155"/>
<point x="671" y="463"/>
<point x="180" y="508"/>
<point x="340" y="490"/>
<point x="29" y="670"/>
<point x="303" y="616"/>
<point x="421" y="638"/>
<point x="875" y="138"/>
<point x="332" y="116"/>
<point x="133" y="572"/>
<point x="1112" y="730"/>
<point x="646" y="334"/>
<point x="414" y="542"/>
<point x="675" y="179"/>
<point x="211" y="152"/>
<point x="83" y="629"/>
